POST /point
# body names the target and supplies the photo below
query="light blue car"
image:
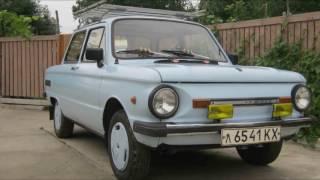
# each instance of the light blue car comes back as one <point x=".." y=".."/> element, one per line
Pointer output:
<point x="147" y="83"/>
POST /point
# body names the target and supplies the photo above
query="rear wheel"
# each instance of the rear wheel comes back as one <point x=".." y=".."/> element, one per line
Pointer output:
<point x="260" y="155"/>
<point x="129" y="159"/>
<point x="63" y="127"/>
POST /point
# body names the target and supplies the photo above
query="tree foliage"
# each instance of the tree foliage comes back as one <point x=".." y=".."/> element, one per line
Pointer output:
<point x="236" y="10"/>
<point x="13" y="25"/>
<point x="20" y="7"/>
<point x="42" y="25"/>
<point x="156" y="4"/>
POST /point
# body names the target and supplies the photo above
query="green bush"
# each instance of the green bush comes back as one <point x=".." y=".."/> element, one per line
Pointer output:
<point x="293" y="57"/>
<point x="13" y="25"/>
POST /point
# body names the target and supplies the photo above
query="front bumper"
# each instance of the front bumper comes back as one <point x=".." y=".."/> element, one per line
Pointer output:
<point x="163" y="129"/>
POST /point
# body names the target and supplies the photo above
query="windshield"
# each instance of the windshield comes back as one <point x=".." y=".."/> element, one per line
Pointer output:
<point x="163" y="38"/>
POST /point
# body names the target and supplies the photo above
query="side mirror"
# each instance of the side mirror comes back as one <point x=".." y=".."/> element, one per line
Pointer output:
<point x="95" y="54"/>
<point x="234" y="58"/>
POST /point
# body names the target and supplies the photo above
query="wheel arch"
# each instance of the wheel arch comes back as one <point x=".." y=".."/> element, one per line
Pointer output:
<point x="112" y="105"/>
<point x="53" y="101"/>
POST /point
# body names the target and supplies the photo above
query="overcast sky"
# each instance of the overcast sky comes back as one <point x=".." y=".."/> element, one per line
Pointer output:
<point x="64" y="7"/>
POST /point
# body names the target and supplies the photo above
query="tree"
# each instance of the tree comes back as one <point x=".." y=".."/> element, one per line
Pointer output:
<point x="20" y="7"/>
<point x="42" y="25"/>
<point x="80" y="4"/>
<point x="156" y="4"/>
<point x="215" y="7"/>
<point x="236" y="10"/>
<point x="300" y="6"/>
<point x="13" y="25"/>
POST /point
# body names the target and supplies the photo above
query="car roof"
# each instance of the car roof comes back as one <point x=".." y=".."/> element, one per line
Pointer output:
<point x="115" y="18"/>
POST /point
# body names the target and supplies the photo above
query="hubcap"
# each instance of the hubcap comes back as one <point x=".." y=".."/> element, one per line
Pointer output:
<point x="119" y="146"/>
<point x="57" y="116"/>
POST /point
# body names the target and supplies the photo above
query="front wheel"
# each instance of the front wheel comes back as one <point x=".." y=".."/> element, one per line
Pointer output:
<point x="260" y="155"/>
<point x="129" y="159"/>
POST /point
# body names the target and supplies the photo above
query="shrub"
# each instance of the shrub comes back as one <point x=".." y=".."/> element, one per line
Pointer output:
<point x="13" y="25"/>
<point x="294" y="57"/>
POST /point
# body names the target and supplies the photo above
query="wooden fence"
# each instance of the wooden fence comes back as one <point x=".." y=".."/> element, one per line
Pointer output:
<point x="23" y="64"/>
<point x="255" y="37"/>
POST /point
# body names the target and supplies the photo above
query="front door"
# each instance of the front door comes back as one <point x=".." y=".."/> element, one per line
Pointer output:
<point x="66" y="85"/>
<point x="89" y="78"/>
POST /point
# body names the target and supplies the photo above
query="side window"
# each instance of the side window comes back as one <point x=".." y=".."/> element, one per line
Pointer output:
<point x="96" y="39"/>
<point x="74" y="50"/>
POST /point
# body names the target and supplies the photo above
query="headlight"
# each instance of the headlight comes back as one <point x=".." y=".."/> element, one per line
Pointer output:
<point x="163" y="102"/>
<point x="301" y="97"/>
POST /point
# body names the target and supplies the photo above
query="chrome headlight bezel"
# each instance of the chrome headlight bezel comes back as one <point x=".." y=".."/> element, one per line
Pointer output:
<point x="296" y="89"/>
<point x="152" y="102"/>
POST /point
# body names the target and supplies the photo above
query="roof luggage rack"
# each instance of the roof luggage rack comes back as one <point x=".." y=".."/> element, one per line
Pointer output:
<point x="102" y="9"/>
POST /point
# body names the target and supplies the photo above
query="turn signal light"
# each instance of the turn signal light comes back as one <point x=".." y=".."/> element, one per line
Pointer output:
<point x="220" y="111"/>
<point x="285" y="100"/>
<point x="200" y="103"/>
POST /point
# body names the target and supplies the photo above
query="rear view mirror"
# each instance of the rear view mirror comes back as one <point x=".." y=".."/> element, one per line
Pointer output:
<point x="95" y="54"/>
<point x="234" y="58"/>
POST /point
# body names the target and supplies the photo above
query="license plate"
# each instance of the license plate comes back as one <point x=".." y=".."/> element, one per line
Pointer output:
<point x="245" y="136"/>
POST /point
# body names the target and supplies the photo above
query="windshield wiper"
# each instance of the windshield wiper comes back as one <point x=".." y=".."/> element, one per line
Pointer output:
<point x="197" y="61"/>
<point x="144" y="53"/>
<point x="188" y="54"/>
<point x="178" y="52"/>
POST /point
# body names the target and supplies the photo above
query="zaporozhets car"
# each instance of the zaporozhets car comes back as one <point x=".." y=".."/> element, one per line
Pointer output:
<point x="147" y="83"/>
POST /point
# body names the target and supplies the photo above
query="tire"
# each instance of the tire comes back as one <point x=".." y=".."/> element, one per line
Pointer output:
<point x="63" y="127"/>
<point x="261" y="156"/>
<point x="122" y="143"/>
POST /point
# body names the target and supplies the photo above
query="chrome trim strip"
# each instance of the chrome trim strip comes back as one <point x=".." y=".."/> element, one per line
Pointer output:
<point x="217" y="132"/>
<point x="192" y="134"/>
<point x="232" y="124"/>
<point x="163" y="129"/>
<point x="247" y="102"/>
<point x="234" y="82"/>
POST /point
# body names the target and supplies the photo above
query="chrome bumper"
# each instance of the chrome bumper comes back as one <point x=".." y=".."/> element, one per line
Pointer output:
<point x="163" y="129"/>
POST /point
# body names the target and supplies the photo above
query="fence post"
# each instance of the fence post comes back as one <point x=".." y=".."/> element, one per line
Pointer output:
<point x="60" y="48"/>
<point x="63" y="41"/>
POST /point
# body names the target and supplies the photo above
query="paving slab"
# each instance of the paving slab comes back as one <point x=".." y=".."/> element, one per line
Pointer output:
<point x="28" y="152"/>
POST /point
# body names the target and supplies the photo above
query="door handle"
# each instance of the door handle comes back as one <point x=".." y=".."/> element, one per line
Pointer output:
<point x="74" y="68"/>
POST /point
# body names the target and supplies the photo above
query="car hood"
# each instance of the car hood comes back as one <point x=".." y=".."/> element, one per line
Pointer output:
<point x="223" y="73"/>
